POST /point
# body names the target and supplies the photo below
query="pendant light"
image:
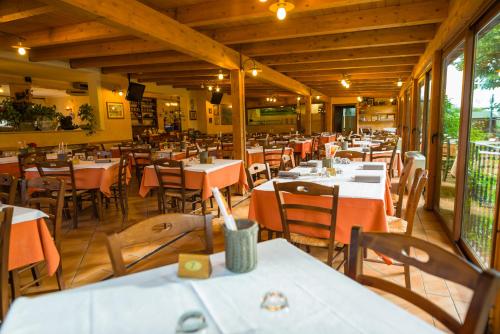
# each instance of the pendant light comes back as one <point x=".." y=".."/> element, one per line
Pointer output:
<point x="400" y="82"/>
<point x="281" y="8"/>
<point x="220" y="76"/>
<point x="21" y="49"/>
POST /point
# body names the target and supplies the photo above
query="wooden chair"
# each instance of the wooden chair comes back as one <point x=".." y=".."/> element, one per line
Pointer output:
<point x="255" y="172"/>
<point x="172" y="184"/>
<point x="227" y="151"/>
<point x="8" y="187"/>
<point x="65" y="171"/>
<point x="289" y="224"/>
<point x="6" y="216"/>
<point x="49" y="198"/>
<point x="351" y="155"/>
<point x="385" y="151"/>
<point x="163" y="230"/>
<point x="272" y="157"/>
<point x="287" y="161"/>
<point x="26" y="161"/>
<point x="438" y="262"/>
<point x="397" y="198"/>
<point x="142" y="158"/>
<point x="192" y="151"/>
<point x="119" y="189"/>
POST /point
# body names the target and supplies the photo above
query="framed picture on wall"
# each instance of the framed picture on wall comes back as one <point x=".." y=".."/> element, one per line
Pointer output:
<point x="115" y="110"/>
<point x="192" y="115"/>
<point x="217" y="120"/>
<point x="210" y="120"/>
<point x="210" y="111"/>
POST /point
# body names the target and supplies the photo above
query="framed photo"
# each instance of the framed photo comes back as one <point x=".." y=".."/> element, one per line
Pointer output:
<point x="115" y="110"/>
<point x="192" y="115"/>
<point x="210" y="120"/>
<point x="210" y="111"/>
<point x="217" y="120"/>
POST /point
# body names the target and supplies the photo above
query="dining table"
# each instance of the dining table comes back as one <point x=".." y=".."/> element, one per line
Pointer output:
<point x="301" y="147"/>
<point x="91" y="174"/>
<point x="10" y="165"/>
<point x="382" y="156"/>
<point x="314" y="298"/>
<point x="256" y="154"/>
<point x="30" y="240"/>
<point x="221" y="173"/>
<point x="361" y="202"/>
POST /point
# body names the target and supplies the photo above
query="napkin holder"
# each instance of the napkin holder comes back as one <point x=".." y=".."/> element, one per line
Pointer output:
<point x="327" y="162"/>
<point x="367" y="178"/>
<point x="203" y="157"/>
<point x="345" y="145"/>
<point x="241" y="246"/>
<point x="194" y="266"/>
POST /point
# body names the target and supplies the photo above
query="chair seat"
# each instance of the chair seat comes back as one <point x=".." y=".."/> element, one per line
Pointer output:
<point x="69" y="193"/>
<point x="308" y="240"/>
<point x="396" y="224"/>
<point x="258" y="182"/>
<point x="178" y="194"/>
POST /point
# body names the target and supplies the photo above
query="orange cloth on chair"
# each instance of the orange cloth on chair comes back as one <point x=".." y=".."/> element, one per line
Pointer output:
<point x="303" y="148"/>
<point x="31" y="242"/>
<point x="11" y="169"/>
<point x="258" y="157"/>
<point x="220" y="178"/>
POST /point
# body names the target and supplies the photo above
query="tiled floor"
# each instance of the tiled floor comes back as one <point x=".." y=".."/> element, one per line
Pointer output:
<point x="85" y="259"/>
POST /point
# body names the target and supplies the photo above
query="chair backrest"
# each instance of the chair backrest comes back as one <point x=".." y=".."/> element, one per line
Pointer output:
<point x="438" y="262"/>
<point x="29" y="160"/>
<point x="287" y="162"/>
<point x="142" y="156"/>
<point x="272" y="155"/>
<point x="403" y="180"/>
<point x="5" y="229"/>
<point x="170" y="174"/>
<point x="63" y="170"/>
<point x="8" y="187"/>
<point x="192" y="151"/>
<point x="49" y="198"/>
<point x="351" y="155"/>
<point x="313" y="190"/>
<point x="164" y="230"/>
<point x="122" y="172"/>
<point x="227" y="151"/>
<point x="254" y="173"/>
<point x="417" y="188"/>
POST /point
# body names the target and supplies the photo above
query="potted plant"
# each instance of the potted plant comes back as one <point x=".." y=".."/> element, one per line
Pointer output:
<point x="86" y="115"/>
<point x="66" y="123"/>
<point x="9" y="115"/>
<point x="46" y="117"/>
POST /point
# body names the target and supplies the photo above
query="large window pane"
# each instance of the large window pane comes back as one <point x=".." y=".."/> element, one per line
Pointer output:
<point x="450" y="124"/>
<point x="484" y="146"/>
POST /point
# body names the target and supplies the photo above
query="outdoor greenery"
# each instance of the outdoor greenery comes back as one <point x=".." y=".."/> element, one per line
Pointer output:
<point x="451" y="123"/>
<point x="14" y="113"/>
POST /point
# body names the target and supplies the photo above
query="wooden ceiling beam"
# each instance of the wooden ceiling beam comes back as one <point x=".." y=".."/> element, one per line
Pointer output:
<point x="359" y="39"/>
<point x="348" y="64"/>
<point x="161" y="57"/>
<point x="350" y="71"/>
<point x="365" y="19"/>
<point x="416" y="49"/>
<point x="188" y="67"/>
<point x="22" y="12"/>
<point x="394" y="75"/>
<point x="208" y="74"/>
<point x="147" y="23"/>
<point x="222" y="12"/>
<point x="85" y="50"/>
<point x="81" y="32"/>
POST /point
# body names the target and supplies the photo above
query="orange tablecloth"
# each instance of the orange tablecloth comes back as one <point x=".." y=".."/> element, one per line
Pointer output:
<point x="368" y="213"/>
<point x="258" y="157"/>
<point x="31" y="242"/>
<point x="220" y="178"/>
<point x="10" y="168"/>
<point x="302" y="148"/>
<point x="327" y="139"/>
<point x="92" y="178"/>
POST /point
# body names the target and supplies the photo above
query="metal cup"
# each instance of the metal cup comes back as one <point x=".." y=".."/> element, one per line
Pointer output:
<point x="241" y="246"/>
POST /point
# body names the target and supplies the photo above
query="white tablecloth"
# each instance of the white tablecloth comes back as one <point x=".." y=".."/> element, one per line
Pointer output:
<point x="321" y="300"/>
<point x="24" y="214"/>
<point x="348" y="188"/>
<point x="83" y="165"/>
<point x="195" y="166"/>
<point x="9" y="160"/>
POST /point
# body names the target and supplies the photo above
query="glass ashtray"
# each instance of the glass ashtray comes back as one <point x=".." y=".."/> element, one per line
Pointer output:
<point x="274" y="301"/>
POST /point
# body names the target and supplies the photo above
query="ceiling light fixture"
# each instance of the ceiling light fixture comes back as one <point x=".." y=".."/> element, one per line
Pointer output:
<point x="21" y="49"/>
<point x="360" y="99"/>
<point x="298" y="98"/>
<point x="391" y="99"/>
<point x="217" y="89"/>
<point x="210" y="87"/>
<point x="262" y="1"/>
<point x="281" y="7"/>
<point x="202" y="85"/>
<point x="220" y="76"/>
<point x="400" y="82"/>
<point x="253" y="69"/>
<point x="120" y="92"/>
<point x="345" y="81"/>
<point x="318" y="97"/>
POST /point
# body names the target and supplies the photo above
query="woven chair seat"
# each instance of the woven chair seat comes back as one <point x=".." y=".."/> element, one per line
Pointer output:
<point x="396" y="225"/>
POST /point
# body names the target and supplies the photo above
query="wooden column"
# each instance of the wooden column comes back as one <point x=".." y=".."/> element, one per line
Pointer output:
<point x="413" y="117"/>
<point x="433" y="132"/>
<point x="329" y="114"/>
<point x="239" y="126"/>
<point x="307" y="116"/>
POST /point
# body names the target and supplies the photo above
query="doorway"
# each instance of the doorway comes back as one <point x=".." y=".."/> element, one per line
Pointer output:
<point x="344" y="118"/>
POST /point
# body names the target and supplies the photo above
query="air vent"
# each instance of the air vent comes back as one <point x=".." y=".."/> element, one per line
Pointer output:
<point x="81" y="85"/>
<point x="77" y="92"/>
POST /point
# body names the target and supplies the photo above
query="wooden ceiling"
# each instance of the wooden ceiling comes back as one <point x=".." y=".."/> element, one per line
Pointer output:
<point x="372" y="42"/>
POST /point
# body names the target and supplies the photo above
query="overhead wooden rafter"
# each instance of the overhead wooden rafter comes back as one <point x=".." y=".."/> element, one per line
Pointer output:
<point x="24" y="13"/>
<point x="145" y="22"/>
